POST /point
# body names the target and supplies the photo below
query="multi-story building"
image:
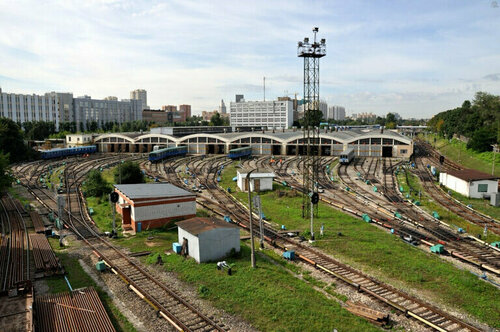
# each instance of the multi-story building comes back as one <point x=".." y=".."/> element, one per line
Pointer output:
<point x="268" y="114"/>
<point x="157" y="116"/>
<point x="364" y="116"/>
<point x="323" y="107"/>
<point x="206" y="115"/>
<point x="169" y="108"/>
<point x="53" y="106"/>
<point x="140" y="94"/>
<point x="185" y="111"/>
<point x="102" y="111"/>
<point x="336" y="113"/>
<point x="222" y="107"/>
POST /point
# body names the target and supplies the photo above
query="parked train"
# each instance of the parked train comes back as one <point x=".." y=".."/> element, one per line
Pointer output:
<point x="161" y="154"/>
<point x="64" y="152"/>
<point x="347" y="156"/>
<point x="240" y="152"/>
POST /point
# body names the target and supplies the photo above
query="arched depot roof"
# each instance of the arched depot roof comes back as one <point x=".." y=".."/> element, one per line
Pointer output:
<point x="282" y="137"/>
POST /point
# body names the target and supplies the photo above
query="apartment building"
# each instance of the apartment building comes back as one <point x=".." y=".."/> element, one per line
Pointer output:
<point x="269" y="114"/>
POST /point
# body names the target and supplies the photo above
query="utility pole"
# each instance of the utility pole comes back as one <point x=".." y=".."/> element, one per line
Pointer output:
<point x="252" y="249"/>
<point x="495" y="148"/>
<point x="258" y="203"/>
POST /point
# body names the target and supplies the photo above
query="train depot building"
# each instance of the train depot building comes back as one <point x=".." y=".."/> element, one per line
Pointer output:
<point x="259" y="180"/>
<point x="365" y="142"/>
<point x="207" y="239"/>
<point x="152" y="205"/>
<point x="470" y="183"/>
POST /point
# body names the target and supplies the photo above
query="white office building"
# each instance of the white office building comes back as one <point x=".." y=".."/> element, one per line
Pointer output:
<point x="140" y="94"/>
<point x="106" y="110"/>
<point x="268" y="114"/>
<point x="336" y="113"/>
<point x="51" y="107"/>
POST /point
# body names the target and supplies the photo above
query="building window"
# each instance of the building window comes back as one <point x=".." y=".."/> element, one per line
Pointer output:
<point x="404" y="151"/>
<point x="482" y="188"/>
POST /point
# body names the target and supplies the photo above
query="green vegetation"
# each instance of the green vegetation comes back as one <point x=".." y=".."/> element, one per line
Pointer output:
<point x="12" y="141"/>
<point x="429" y="205"/>
<point x="78" y="278"/>
<point x="479" y="121"/>
<point x="5" y="178"/>
<point x="380" y="253"/>
<point x="95" y="185"/>
<point x="128" y="173"/>
<point x="482" y="205"/>
<point x="103" y="214"/>
<point x="457" y="151"/>
<point x="269" y="297"/>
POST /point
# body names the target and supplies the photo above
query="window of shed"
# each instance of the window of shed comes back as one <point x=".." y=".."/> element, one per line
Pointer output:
<point x="482" y="188"/>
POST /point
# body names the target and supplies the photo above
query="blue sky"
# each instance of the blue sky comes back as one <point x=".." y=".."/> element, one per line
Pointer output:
<point x="416" y="58"/>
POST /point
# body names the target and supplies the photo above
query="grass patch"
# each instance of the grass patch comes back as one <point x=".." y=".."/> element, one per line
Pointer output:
<point x="383" y="254"/>
<point x="481" y="205"/>
<point x="269" y="297"/>
<point x="103" y="214"/>
<point x="78" y="279"/>
<point x="429" y="204"/>
<point x="457" y="151"/>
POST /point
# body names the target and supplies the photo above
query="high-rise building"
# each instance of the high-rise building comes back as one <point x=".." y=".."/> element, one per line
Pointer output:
<point x="336" y="113"/>
<point x="140" y="94"/>
<point x="268" y="114"/>
<point x="222" y="107"/>
<point x="323" y="107"/>
<point x="185" y="110"/>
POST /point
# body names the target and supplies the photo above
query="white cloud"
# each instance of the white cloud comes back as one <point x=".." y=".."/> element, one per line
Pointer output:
<point x="414" y="58"/>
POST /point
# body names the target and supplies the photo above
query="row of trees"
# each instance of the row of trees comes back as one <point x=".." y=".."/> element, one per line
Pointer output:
<point x="127" y="173"/>
<point x="479" y="121"/>
<point x="314" y="118"/>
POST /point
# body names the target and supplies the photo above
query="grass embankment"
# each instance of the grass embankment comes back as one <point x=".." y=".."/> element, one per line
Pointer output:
<point x="269" y="297"/>
<point x="481" y="205"/>
<point x="382" y="254"/>
<point x="428" y="204"/>
<point x="457" y="151"/>
<point x="78" y="278"/>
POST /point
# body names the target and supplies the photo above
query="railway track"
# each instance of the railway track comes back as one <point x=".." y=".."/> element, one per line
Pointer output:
<point x="163" y="299"/>
<point x="224" y="204"/>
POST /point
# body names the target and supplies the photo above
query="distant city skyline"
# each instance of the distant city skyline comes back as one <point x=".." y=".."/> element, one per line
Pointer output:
<point x="414" y="58"/>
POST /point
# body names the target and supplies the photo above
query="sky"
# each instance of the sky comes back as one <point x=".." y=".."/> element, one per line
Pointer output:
<point x="416" y="58"/>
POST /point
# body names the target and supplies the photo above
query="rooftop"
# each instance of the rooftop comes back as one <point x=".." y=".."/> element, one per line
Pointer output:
<point x="258" y="173"/>
<point x="151" y="190"/>
<point x="471" y="175"/>
<point x="199" y="225"/>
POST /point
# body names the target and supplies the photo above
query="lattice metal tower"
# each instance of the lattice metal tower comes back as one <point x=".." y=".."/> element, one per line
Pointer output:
<point x="311" y="52"/>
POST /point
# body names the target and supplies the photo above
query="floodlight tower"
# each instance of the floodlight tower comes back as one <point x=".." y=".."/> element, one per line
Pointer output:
<point x="311" y="52"/>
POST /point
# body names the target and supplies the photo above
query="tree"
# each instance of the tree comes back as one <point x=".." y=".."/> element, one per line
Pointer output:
<point x="11" y="140"/>
<point x="390" y="125"/>
<point x="482" y="140"/>
<point x="390" y="118"/>
<point x="130" y="173"/>
<point x="95" y="185"/>
<point x="216" y="120"/>
<point x="312" y="118"/>
<point x="5" y="178"/>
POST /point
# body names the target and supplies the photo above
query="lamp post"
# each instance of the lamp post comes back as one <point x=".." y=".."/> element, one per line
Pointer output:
<point x="495" y="148"/>
<point x="252" y="249"/>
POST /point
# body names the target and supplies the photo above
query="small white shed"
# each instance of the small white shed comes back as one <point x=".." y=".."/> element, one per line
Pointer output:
<point x="469" y="182"/>
<point x="259" y="180"/>
<point x="208" y="239"/>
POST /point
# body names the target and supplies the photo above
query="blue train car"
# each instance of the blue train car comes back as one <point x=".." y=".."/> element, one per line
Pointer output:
<point x="240" y="152"/>
<point x="64" y="152"/>
<point x="347" y="156"/>
<point x="161" y="154"/>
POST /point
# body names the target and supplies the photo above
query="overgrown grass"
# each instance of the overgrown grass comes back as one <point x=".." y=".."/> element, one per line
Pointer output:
<point x="383" y="254"/>
<point x="482" y="205"/>
<point x="78" y="279"/>
<point x="457" y="151"/>
<point x="428" y="204"/>
<point x="269" y="297"/>
<point x="103" y="214"/>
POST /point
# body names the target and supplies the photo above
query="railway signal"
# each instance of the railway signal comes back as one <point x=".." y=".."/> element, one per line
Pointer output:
<point x="113" y="197"/>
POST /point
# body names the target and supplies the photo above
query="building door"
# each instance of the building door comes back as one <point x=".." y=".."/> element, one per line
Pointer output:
<point x="387" y="151"/>
<point x="256" y="185"/>
<point x="245" y="184"/>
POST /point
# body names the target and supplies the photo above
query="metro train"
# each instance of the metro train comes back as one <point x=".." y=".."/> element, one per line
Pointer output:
<point x="347" y="156"/>
<point x="64" y="152"/>
<point x="161" y="154"/>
